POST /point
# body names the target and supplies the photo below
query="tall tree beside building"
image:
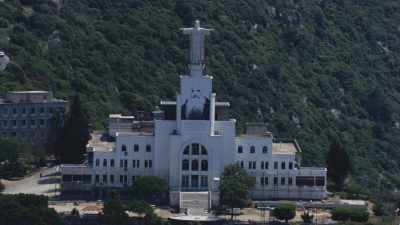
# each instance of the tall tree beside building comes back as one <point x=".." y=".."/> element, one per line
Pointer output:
<point x="114" y="213"/>
<point x="339" y="165"/>
<point x="54" y="134"/>
<point x="71" y="145"/>
<point x="234" y="187"/>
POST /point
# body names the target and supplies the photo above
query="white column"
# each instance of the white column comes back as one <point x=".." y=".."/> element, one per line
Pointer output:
<point x="178" y="113"/>
<point x="212" y="113"/>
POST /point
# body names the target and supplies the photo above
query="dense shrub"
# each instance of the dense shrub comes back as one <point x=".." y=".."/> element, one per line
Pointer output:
<point x="345" y="214"/>
<point x="149" y="188"/>
<point x="359" y="215"/>
<point x="284" y="212"/>
<point x="341" y="214"/>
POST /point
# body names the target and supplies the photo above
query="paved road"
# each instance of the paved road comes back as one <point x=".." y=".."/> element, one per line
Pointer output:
<point x="48" y="184"/>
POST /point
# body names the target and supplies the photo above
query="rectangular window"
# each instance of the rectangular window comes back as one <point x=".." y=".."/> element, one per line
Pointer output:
<point x="125" y="163"/>
<point x="283" y="165"/>
<point x="134" y="163"/>
<point x="305" y="181"/>
<point x="67" y="178"/>
<point x="275" y="165"/>
<point x="145" y="164"/>
<point x="32" y="111"/>
<point x="121" y="178"/>
<point x="33" y="122"/>
<point x="148" y="148"/>
<point x="133" y="179"/>
<point x="290" y="181"/>
<point x="240" y="149"/>
<point x="14" y="123"/>
<point x="23" y="111"/>
<point x="290" y="165"/>
<point x="14" y="111"/>
<point x="266" y="181"/>
<point x="320" y="181"/>
<point x="136" y="148"/>
<point x="282" y="181"/>
<point x="266" y="165"/>
<point x="204" y="181"/>
<point x="150" y="163"/>
<point x="97" y="178"/>
<point x="111" y="178"/>
<point x="105" y="178"/>
<point x="275" y="181"/>
<point x="121" y="163"/>
<point x="23" y="122"/>
<point x="185" y="181"/>
<point x="41" y="110"/>
<point x="250" y="165"/>
<point x="137" y="163"/>
<point x="254" y="165"/>
<point x="87" y="179"/>
<point x="125" y="179"/>
<point x="262" y="165"/>
<point x="195" y="181"/>
<point x="262" y="181"/>
<point x="242" y="164"/>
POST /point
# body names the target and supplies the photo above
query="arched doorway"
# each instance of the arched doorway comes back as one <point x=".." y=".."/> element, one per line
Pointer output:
<point x="194" y="167"/>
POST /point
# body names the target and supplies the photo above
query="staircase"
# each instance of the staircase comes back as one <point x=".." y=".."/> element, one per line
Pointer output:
<point x="194" y="203"/>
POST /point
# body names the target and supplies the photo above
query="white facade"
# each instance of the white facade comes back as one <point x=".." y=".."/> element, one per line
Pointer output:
<point x="189" y="147"/>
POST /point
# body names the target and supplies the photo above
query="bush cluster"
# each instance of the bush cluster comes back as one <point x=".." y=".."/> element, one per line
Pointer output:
<point x="346" y="214"/>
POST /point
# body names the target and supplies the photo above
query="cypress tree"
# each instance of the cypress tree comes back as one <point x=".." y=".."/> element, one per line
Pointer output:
<point x="339" y="165"/>
<point x="75" y="135"/>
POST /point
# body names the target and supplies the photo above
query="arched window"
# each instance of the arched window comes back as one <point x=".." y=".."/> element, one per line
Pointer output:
<point x="203" y="150"/>
<point x="104" y="162"/>
<point x="252" y="149"/>
<point x="186" y="151"/>
<point x="265" y="150"/>
<point x="123" y="148"/>
<point x="97" y="162"/>
<point x="185" y="164"/>
<point x="112" y="163"/>
<point x="204" y="165"/>
<point x="195" y="149"/>
<point x="195" y="165"/>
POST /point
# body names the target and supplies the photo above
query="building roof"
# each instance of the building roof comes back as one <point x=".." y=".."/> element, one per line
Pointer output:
<point x="119" y="116"/>
<point x="98" y="144"/>
<point x="284" y="148"/>
<point x="173" y="103"/>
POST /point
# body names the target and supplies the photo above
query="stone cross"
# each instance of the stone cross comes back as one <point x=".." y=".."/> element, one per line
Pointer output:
<point x="197" y="35"/>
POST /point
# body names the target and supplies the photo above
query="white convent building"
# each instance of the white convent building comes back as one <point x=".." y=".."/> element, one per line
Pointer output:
<point x="188" y="143"/>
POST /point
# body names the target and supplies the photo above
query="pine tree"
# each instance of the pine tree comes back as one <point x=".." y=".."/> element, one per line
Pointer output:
<point x="339" y="165"/>
<point x="75" y="135"/>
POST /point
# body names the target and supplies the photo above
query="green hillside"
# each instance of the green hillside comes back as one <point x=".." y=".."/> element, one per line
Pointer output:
<point x="311" y="69"/>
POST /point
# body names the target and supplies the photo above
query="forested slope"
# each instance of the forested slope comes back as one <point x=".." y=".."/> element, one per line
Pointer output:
<point x="311" y="69"/>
